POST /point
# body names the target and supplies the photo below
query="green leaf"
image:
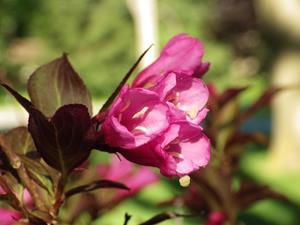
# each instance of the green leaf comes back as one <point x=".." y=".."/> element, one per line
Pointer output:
<point x="56" y="84"/>
<point x="20" y="140"/>
<point x="38" y="172"/>
<point x="95" y="185"/>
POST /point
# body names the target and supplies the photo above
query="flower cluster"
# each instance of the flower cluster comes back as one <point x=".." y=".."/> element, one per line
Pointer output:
<point x="156" y="120"/>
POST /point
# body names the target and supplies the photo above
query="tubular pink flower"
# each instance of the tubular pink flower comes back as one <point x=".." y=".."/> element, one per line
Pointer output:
<point x="182" y="53"/>
<point x="9" y="216"/>
<point x="186" y="93"/>
<point x="136" y="117"/>
<point x="124" y="171"/>
<point x="156" y="121"/>
<point x="182" y="149"/>
<point x="2" y="191"/>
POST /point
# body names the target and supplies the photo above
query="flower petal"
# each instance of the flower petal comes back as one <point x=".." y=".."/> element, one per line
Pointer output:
<point x="181" y="54"/>
<point x="137" y="118"/>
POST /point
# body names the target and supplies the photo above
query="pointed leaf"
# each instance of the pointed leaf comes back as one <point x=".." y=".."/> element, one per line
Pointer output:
<point x="56" y="84"/>
<point x="95" y="185"/>
<point x="262" y="101"/>
<point x="62" y="140"/>
<point x="38" y="172"/>
<point x="229" y="95"/>
<point x="123" y="81"/>
<point x="4" y="161"/>
<point x="250" y="193"/>
<point x="20" y="140"/>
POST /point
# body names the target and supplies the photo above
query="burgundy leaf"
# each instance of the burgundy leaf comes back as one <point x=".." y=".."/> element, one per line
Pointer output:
<point x="56" y="84"/>
<point x="261" y="102"/>
<point x="95" y="185"/>
<point x="229" y="95"/>
<point x="62" y="141"/>
<point x="65" y="141"/>
<point x="251" y="192"/>
<point x="244" y="138"/>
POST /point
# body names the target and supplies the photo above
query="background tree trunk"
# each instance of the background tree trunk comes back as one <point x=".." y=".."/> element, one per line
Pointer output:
<point x="283" y="18"/>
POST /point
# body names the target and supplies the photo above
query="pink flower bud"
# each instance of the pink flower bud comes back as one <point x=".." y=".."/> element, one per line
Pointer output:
<point x="9" y="216"/>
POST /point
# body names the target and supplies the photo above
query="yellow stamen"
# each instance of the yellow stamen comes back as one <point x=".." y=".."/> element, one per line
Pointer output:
<point x="176" y="154"/>
<point x="185" y="181"/>
<point x="193" y="112"/>
<point x="149" y="84"/>
<point x="141" y="112"/>
<point x="139" y="130"/>
<point x="127" y="104"/>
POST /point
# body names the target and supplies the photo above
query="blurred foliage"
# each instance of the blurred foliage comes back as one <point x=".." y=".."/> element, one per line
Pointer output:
<point x="99" y="37"/>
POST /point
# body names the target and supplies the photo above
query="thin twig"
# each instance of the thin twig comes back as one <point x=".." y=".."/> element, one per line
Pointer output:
<point x="127" y="218"/>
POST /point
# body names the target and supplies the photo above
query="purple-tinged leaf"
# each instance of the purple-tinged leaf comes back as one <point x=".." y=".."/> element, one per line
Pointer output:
<point x="229" y="95"/>
<point x="56" y="84"/>
<point x="250" y="193"/>
<point x="27" y="105"/>
<point x="239" y="138"/>
<point x="62" y="141"/>
<point x="262" y="101"/>
<point x="162" y="217"/>
<point x="94" y="186"/>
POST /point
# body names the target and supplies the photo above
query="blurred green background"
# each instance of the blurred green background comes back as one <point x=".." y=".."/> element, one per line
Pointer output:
<point x="100" y="39"/>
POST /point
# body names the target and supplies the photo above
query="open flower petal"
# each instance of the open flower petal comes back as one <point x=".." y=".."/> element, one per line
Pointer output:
<point x="182" y="53"/>
<point x="137" y="117"/>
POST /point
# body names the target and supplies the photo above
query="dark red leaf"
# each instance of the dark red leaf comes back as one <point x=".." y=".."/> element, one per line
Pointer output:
<point x="229" y="95"/>
<point x="262" y="101"/>
<point x="250" y="193"/>
<point x="243" y="138"/>
<point x="62" y="141"/>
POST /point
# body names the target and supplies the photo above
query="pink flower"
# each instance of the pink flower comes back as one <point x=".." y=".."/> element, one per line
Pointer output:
<point x="182" y="54"/>
<point x="9" y="216"/>
<point x="216" y="218"/>
<point x="185" y="93"/>
<point x="156" y="121"/>
<point x="180" y="150"/>
<point x="124" y="171"/>
<point x="136" y="117"/>
<point x="2" y="191"/>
